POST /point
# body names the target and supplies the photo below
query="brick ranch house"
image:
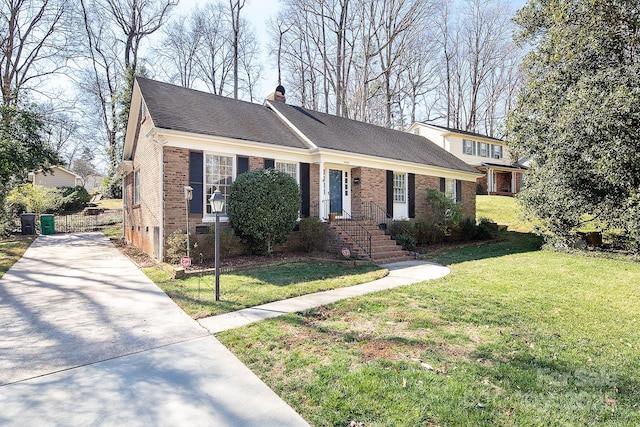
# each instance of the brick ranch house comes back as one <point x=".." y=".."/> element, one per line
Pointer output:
<point x="502" y="174"/>
<point x="179" y="137"/>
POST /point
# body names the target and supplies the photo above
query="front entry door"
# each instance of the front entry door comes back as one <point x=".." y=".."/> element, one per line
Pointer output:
<point x="335" y="191"/>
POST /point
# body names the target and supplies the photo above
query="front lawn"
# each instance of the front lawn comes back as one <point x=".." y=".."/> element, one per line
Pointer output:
<point x="514" y="336"/>
<point x="504" y="211"/>
<point x="196" y="294"/>
<point x="11" y="250"/>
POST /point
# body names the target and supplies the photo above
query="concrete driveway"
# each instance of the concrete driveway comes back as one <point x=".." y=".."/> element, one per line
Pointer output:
<point x="88" y="339"/>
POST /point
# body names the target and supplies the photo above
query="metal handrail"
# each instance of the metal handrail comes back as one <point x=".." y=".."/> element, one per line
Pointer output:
<point x="353" y="228"/>
<point x="371" y="211"/>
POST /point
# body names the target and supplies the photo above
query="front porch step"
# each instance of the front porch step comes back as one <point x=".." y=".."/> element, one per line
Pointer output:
<point x="384" y="250"/>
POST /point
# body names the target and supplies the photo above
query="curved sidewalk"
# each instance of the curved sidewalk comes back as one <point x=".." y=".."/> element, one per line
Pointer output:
<point x="400" y="274"/>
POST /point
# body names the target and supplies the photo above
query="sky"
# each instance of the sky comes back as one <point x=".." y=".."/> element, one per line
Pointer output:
<point x="258" y="12"/>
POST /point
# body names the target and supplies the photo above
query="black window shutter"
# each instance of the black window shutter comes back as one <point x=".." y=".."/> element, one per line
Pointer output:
<point x="443" y="187"/>
<point x="269" y="163"/>
<point x="390" y="193"/>
<point x="305" y="190"/>
<point x="196" y="181"/>
<point x="243" y="165"/>
<point x="458" y="191"/>
<point x="412" y="195"/>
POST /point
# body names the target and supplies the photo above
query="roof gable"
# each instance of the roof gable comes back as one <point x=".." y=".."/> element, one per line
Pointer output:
<point x="187" y="110"/>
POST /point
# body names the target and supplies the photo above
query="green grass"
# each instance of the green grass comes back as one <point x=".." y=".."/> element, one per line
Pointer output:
<point x="11" y="249"/>
<point x="502" y="210"/>
<point x="251" y="288"/>
<point x="516" y="336"/>
<point x="110" y="204"/>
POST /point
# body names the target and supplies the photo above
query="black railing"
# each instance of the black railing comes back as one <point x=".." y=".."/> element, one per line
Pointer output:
<point x="350" y="226"/>
<point x="372" y="212"/>
<point x="87" y="221"/>
<point x="81" y="222"/>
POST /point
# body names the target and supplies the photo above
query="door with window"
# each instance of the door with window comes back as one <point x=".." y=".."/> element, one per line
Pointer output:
<point x="339" y="190"/>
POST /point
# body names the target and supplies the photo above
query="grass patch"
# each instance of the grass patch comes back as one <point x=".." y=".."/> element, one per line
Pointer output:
<point x="251" y="288"/>
<point x="113" y="231"/>
<point x="12" y="250"/>
<point x="514" y="336"/>
<point x="503" y="210"/>
<point x="110" y="204"/>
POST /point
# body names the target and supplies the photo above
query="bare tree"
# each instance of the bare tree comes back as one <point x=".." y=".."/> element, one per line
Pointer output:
<point x="180" y="45"/>
<point x="113" y="65"/>
<point x="235" y="6"/>
<point x="34" y="44"/>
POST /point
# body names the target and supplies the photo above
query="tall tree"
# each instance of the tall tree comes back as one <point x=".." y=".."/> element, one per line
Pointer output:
<point x="578" y="116"/>
<point x="114" y="32"/>
<point x="235" y="7"/>
<point x="34" y="44"/>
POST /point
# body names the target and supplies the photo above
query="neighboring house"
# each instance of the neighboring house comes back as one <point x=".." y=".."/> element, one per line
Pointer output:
<point x="502" y="174"/>
<point x="57" y="177"/>
<point x="179" y="137"/>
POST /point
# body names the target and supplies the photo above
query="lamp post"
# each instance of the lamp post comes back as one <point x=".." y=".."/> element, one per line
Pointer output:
<point x="188" y="195"/>
<point x="217" y="206"/>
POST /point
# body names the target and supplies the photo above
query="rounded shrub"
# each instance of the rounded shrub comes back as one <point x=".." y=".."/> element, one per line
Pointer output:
<point x="263" y="208"/>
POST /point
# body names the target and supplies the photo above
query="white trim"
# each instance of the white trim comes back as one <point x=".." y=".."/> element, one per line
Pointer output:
<point x="234" y="147"/>
<point x="297" y="131"/>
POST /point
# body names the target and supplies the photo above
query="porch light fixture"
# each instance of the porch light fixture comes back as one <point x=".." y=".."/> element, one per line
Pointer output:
<point x="216" y="201"/>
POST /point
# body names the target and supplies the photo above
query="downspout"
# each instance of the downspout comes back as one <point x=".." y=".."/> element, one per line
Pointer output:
<point x="161" y="144"/>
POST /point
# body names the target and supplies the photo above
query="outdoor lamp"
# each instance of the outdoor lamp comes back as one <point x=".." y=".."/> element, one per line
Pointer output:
<point x="217" y="205"/>
<point x="217" y="202"/>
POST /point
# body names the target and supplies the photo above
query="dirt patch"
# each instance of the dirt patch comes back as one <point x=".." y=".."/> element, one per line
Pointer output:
<point x="138" y="256"/>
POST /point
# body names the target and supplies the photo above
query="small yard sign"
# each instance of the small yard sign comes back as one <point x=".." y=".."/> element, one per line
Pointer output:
<point x="186" y="262"/>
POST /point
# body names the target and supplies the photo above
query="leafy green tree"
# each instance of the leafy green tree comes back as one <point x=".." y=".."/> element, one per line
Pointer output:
<point x="263" y="208"/>
<point x="578" y="115"/>
<point x="23" y="148"/>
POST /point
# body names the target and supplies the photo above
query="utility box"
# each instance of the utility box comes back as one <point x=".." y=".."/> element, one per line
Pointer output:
<point x="28" y="223"/>
<point x="47" y="224"/>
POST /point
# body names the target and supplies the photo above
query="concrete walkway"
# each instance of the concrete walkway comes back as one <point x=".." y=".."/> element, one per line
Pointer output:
<point x="400" y="274"/>
<point x="86" y="339"/>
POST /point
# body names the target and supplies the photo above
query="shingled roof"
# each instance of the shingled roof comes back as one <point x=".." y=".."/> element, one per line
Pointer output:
<point x="187" y="110"/>
<point x="178" y="108"/>
<point x="337" y="133"/>
<point x="462" y="132"/>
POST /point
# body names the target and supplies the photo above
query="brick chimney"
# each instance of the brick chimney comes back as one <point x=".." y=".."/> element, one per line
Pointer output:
<point x="278" y="95"/>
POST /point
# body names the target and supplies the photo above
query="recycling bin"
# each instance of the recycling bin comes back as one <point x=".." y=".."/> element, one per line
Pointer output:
<point x="28" y="223"/>
<point x="47" y="224"/>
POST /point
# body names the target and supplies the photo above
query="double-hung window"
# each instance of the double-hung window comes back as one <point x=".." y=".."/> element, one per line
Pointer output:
<point x="290" y="169"/>
<point x="218" y="175"/>
<point x="399" y="188"/>
<point x="497" y="151"/>
<point x="467" y="147"/>
<point x="450" y="189"/>
<point x="483" y="149"/>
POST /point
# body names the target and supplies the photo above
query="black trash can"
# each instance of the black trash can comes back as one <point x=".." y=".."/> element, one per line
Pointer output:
<point x="28" y="223"/>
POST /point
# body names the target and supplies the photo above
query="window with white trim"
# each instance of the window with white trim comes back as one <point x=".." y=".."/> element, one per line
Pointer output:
<point x="136" y="187"/>
<point x="496" y="151"/>
<point x="483" y="149"/>
<point x="467" y="147"/>
<point x="399" y="188"/>
<point x="218" y="175"/>
<point x="450" y="188"/>
<point x="290" y="169"/>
